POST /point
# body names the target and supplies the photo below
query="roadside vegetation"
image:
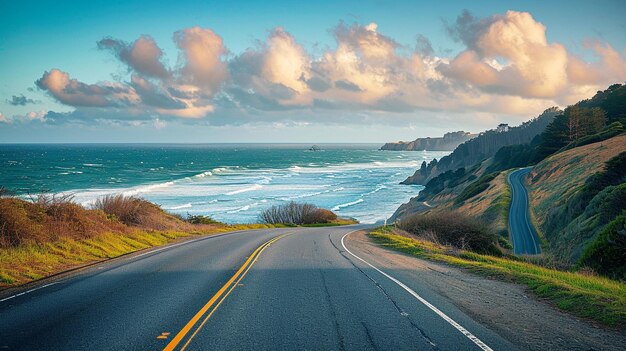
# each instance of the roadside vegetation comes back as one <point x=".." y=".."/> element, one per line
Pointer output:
<point x="304" y="214"/>
<point x="581" y="293"/>
<point x="452" y="229"/>
<point x="577" y="185"/>
<point x="51" y="233"/>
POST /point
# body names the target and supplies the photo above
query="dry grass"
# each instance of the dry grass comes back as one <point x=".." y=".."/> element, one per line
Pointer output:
<point x="585" y="295"/>
<point x="134" y="211"/>
<point x="24" y="263"/>
<point x="51" y="233"/>
<point x="560" y="176"/>
<point x="23" y="222"/>
<point x="294" y="213"/>
<point x="452" y="228"/>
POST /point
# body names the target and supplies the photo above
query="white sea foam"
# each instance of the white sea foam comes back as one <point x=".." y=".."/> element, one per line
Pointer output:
<point x="225" y="192"/>
<point x="347" y="204"/>
<point x="378" y="188"/>
<point x="265" y="180"/>
<point x="244" y="190"/>
<point x="204" y="174"/>
<point x="302" y="196"/>
<point x="178" y="207"/>
<point x="146" y="188"/>
<point x="243" y="208"/>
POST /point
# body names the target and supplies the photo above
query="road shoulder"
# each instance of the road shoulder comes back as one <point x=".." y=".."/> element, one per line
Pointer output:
<point x="504" y="307"/>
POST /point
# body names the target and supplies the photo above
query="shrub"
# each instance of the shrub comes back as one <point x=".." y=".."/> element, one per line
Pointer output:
<point x="200" y="219"/>
<point x="134" y="211"/>
<point x="48" y="219"/>
<point x="320" y="215"/>
<point x="296" y="214"/>
<point x="607" y="254"/>
<point x="453" y="229"/>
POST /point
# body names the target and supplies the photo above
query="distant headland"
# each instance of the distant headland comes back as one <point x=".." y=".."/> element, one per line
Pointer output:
<point x="448" y="142"/>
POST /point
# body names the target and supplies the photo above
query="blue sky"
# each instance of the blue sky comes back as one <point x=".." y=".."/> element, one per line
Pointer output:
<point x="36" y="37"/>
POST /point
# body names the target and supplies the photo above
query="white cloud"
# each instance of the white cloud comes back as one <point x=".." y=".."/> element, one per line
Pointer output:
<point x="33" y="116"/>
<point x="508" y="66"/>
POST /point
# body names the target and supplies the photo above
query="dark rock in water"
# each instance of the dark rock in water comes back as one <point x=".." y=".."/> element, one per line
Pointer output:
<point x="314" y="148"/>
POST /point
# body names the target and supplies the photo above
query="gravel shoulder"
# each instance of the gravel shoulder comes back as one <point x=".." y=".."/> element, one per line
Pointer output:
<point x="507" y="308"/>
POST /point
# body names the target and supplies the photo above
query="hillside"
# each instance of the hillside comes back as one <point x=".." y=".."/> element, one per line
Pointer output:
<point x="577" y="185"/>
<point x="556" y="185"/>
<point x="448" y="142"/>
<point x="483" y="147"/>
<point x="53" y="234"/>
<point x="474" y="192"/>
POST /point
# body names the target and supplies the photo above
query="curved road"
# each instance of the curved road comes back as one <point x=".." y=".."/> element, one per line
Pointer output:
<point x="525" y="238"/>
<point x="278" y="289"/>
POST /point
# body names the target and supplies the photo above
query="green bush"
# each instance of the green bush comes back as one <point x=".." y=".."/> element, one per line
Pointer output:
<point x="476" y="187"/>
<point x="453" y="229"/>
<point x="294" y="213"/>
<point x="201" y="219"/>
<point x="607" y="254"/>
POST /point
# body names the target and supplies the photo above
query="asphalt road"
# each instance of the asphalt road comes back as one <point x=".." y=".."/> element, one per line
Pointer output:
<point x="525" y="238"/>
<point x="279" y="289"/>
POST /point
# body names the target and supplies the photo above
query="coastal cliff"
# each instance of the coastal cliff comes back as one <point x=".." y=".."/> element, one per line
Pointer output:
<point x="483" y="147"/>
<point x="576" y="187"/>
<point x="448" y="142"/>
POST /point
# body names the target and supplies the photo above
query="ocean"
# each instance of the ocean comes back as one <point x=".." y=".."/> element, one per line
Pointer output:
<point x="232" y="183"/>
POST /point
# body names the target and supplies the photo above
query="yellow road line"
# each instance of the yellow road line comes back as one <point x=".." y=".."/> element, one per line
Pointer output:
<point x="243" y="270"/>
<point x="225" y="296"/>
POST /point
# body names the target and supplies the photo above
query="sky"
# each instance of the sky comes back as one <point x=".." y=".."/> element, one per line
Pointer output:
<point x="296" y="71"/>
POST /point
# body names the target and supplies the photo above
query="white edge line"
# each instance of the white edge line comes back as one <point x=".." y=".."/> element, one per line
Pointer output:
<point x="456" y="325"/>
<point x="28" y="291"/>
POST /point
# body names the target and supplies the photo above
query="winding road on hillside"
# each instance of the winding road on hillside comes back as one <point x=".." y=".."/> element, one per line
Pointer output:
<point x="525" y="238"/>
<point x="279" y="289"/>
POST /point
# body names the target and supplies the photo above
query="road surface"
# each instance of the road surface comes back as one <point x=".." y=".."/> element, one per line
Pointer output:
<point x="275" y="289"/>
<point x="525" y="238"/>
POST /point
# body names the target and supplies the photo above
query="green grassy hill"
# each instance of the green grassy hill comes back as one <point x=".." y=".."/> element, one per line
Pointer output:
<point x="578" y="185"/>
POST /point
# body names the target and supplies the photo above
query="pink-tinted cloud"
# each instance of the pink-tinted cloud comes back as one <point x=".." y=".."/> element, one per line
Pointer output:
<point x="508" y="66"/>
<point x="32" y="116"/>
<point x="75" y="93"/>
<point x="203" y="53"/>
<point x="142" y="56"/>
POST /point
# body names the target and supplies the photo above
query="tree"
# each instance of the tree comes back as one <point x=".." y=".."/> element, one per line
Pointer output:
<point x="575" y="122"/>
<point x="597" y="120"/>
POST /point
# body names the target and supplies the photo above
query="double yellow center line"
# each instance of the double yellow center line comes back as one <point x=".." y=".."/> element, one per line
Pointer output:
<point x="209" y="308"/>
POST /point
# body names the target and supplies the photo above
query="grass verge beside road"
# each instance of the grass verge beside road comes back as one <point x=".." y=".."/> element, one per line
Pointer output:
<point x="29" y="262"/>
<point x="597" y="298"/>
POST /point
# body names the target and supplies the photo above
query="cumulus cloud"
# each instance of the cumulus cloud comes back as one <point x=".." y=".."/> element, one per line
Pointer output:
<point x="507" y="65"/>
<point x="20" y="100"/>
<point x="75" y="93"/>
<point x="186" y="91"/>
<point x="33" y="116"/>
<point x="143" y="55"/>
<point x="510" y="54"/>
<point x="203" y="54"/>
